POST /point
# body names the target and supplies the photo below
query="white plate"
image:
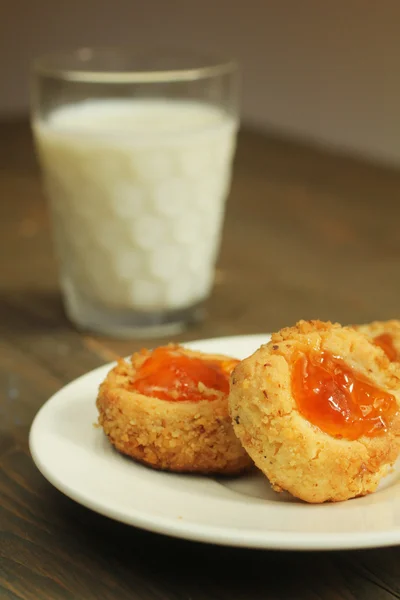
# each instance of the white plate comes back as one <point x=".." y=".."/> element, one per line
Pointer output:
<point x="78" y="460"/>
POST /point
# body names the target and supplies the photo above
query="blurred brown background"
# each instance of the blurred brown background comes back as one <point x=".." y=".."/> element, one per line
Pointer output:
<point x="323" y="71"/>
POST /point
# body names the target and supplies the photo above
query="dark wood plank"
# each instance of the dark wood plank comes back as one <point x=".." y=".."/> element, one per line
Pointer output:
<point x="307" y="235"/>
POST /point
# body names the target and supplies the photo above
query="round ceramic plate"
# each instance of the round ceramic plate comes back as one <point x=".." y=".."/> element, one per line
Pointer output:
<point x="244" y="511"/>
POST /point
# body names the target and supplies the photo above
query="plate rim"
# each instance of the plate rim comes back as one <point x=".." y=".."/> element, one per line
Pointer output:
<point x="211" y="534"/>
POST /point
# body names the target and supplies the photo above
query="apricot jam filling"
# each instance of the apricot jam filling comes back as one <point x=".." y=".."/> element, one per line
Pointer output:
<point x="385" y="341"/>
<point x="169" y="374"/>
<point x="338" y="400"/>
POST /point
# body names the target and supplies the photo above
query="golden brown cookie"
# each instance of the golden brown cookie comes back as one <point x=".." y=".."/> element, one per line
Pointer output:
<point x="317" y="409"/>
<point x="169" y="409"/>
<point x="385" y="334"/>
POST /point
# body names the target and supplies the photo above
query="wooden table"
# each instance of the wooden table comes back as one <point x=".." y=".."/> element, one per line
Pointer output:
<point x="308" y="235"/>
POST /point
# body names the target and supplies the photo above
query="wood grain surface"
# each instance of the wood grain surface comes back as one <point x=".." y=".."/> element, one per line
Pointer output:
<point x="307" y="235"/>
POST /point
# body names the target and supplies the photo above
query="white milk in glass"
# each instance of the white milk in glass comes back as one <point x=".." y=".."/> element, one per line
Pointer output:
<point x="137" y="190"/>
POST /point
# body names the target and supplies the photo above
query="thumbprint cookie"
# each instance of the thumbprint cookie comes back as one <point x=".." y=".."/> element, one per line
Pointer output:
<point x="317" y="409"/>
<point x="385" y="334"/>
<point x="168" y="408"/>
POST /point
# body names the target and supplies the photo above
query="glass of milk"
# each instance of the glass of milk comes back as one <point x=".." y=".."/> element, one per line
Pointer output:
<point x="136" y="153"/>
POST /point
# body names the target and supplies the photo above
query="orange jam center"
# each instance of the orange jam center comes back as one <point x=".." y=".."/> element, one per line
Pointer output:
<point x="168" y="374"/>
<point x="338" y="400"/>
<point x="385" y="341"/>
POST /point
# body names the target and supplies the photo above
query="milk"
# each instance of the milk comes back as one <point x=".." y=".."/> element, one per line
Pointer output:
<point x="137" y="191"/>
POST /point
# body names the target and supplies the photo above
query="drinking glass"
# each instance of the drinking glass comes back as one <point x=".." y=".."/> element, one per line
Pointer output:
<point x="136" y="154"/>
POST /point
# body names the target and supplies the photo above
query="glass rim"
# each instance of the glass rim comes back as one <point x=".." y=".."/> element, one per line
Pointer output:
<point x="47" y="65"/>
